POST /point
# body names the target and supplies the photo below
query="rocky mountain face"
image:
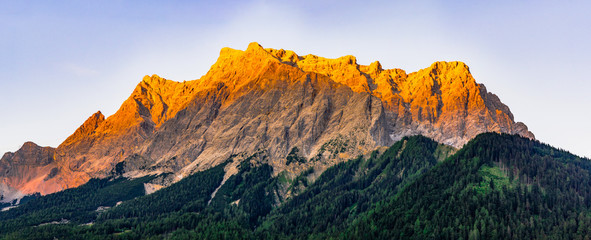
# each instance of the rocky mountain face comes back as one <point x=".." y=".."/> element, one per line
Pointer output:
<point x="30" y="169"/>
<point x="276" y="103"/>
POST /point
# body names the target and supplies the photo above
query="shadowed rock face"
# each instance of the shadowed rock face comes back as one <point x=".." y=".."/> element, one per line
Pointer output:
<point x="267" y="100"/>
<point x="27" y="171"/>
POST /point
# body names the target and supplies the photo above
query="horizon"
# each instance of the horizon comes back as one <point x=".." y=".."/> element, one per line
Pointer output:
<point x="66" y="61"/>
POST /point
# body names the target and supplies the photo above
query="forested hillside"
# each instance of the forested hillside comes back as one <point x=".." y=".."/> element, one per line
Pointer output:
<point x="496" y="187"/>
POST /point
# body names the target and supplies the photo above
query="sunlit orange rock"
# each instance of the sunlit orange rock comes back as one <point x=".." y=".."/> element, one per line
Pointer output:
<point x="265" y="100"/>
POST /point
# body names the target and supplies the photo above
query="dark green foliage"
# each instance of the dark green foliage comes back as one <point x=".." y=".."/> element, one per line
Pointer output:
<point x="496" y="187"/>
<point x="77" y="205"/>
<point x="294" y="157"/>
<point x="335" y="146"/>
<point x="249" y="191"/>
<point x="189" y="195"/>
<point x="119" y="168"/>
<point x="22" y="201"/>
<point x="161" y="212"/>
<point x="301" y="182"/>
<point x="181" y="211"/>
<point x="348" y="189"/>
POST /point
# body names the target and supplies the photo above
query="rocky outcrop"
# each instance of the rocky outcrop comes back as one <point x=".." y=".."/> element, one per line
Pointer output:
<point x="273" y="102"/>
<point x="28" y="170"/>
<point x="443" y="102"/>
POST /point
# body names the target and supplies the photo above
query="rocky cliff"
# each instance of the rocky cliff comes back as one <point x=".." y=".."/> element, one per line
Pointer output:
<point x="313" y="109"/>
<point x="28" y="170"/>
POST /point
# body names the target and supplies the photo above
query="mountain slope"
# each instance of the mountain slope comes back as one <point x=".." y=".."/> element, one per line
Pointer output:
<point x="242" y="203"/>
<point x="496" y="187"/>
<point x="276" y="101"/>
<point x="27" y="169"/>
<point x="79" y="205"/>
<point x="351" y="188"/>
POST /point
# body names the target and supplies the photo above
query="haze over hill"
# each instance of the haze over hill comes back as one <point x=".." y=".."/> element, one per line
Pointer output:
<point x="267" y="101"/>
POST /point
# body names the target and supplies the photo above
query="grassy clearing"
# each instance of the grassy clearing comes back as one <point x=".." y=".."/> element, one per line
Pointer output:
<point x="493" y="174"/>
<point x="443" y="151"/>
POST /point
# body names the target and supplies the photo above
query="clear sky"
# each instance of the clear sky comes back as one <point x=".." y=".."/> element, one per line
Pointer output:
<point x="61" y="61"/>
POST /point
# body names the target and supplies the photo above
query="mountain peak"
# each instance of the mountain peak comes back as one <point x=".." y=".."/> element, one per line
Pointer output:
<point x="375" y="67"/>
<point x="153" y="79"/>
<point x="98" y="115"/>
<point x="254" y="49"/>
<point x="436" y="94"/>
<point x="86" y="129"/>
<point x="254" y="46"/>
<point x="455" y="66"/>
<point x="275" y="101"/>
<point x="29" y="145"/>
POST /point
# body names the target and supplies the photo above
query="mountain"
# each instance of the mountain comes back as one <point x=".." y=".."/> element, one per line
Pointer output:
<point x="316" y="110"/>
<point x="27" y="170"/>
<point x="204" y="200"/>
<point x="498" y="186"/>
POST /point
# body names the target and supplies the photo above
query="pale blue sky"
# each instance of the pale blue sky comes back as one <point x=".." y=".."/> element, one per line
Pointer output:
<point x="62" y="61"/>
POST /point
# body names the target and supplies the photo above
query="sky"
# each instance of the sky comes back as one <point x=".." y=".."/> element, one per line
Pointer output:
<point x="62" y="61"/>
